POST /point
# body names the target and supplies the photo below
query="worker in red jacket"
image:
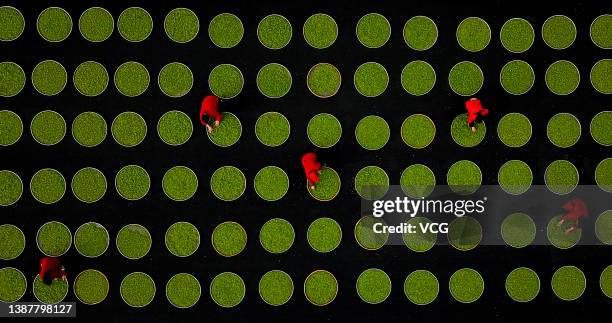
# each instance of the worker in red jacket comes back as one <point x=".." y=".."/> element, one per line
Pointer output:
<point x="210" y="109"/>
<point x="51" y="269"/>
<point x="312" y="168"/>
<point x="575" y="210"/>
<point x="475" y="110"/>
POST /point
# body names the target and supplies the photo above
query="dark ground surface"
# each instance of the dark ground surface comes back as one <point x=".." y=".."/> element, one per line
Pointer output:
<point x="157" y="212"/>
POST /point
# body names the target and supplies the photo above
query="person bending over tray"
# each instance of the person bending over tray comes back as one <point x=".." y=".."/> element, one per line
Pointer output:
<point x="210" y="111"/>
<point x="575" y="210"/>
<point x="51" y="269"/>
<point x="475" y="111"/>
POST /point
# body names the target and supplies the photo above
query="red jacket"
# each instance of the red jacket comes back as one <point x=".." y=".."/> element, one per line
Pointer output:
<point x="575" y="210"/>
<point x="210" y="107"/>
<point x="53" y="266"/>
<point x="311" y="167"/>
<point x="474" y="108"/>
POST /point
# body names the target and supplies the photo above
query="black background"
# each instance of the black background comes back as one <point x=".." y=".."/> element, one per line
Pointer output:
<point x="157" y="212"/>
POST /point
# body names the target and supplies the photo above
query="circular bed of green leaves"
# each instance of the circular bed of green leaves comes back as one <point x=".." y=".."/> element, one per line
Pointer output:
<point x="225" y="30"/>
<point x="373" y="286"/>
<point x="418" y="131"/>
<point x="227" y="289"/>
<point x="12" y="79"/>
<point x="180" y="183"/>
<point x="420" y="33"/>
<point x="556" y="233"/>
<point x="514" y="130"/>
<point x="49" y="77"/>
<point x="603" y="227"/>
<point x="328" y="186"/>
<point x="11" y="128"/>
<point x="228" y="132"/>
<point x="135" y="24"/>
<point x="324" y="130"/>
<point x="129" y="129"/>
<point x="517" y="77"/>
<point x="419" y="241"/>
<point x="90" y="78"/>
<point x="561" y="177"/>
<point x="601" y="128"/>
<point x="12" y="243"/>
<point x="465" y="78"/>
<point x="13" y="285"/>
<point x="371" y="183"/>
<point x="274" y="80"/>
<point x="228" y="183"/>
<point x="603" y="175"/>
<point x="53" y="239"/>
<point x="417" y="181"/>
<point x="515" y="177"/>
<point x="518" y="230"/>
<point x="600" y="31"/>
<point x="568" y="283"/>
<point x="563" y="130"/>
<point x="365" y="235"/>
<point x="464" y="177"/>
<point x="605" y="281"/>
<point x="522" y="284"/>
<point x="183" y="290"/>
<point x="48" y="127"/>
<point x="132" y="182"/>
<point x="174" y="128"/>
<point x="225" y="81"/>
<point x="272" y="129"/>
<point x="91" y="239"/>
<point x="324" y="235"/>
<point x="373" y="30"/>
<point x="12" y="23"/>
<point x="466" y="285"/>
<point x="562" y="77"/>
<point x="271" y="183"/>
<point x="132" y="79"/>
<point x="96" y="24"/>
<point x="50" y="294"/>
<point x="54" y="24"/>
<point x="418" y="78"/>
<point x="473" y="34"/>
<point x="137" y="289"/>
<point x="276" y="287"/>
<point x="371" y="79"/>
<point x="133" y="241"/>
<point x="11" y="187"/>
<point x="48" y="186"/>
<point x="91" y="287"/>
<point x="276" y="235"/>
<point x="320" y="30"/>
<point x="320" y="287"/>
<point x="182" y="239"/>
<point x="464" y="233"/>
<point x="175" y="79"/>
<point x="517" y="35"/>
<point x="462" y="133"/>
<point x="274" y="31"/>
<point x="324" y="80"/>
<point x="229" y="239"/>
<point x="88" y="185"/>
<point x="559" y="32"/>
<point x="421" y="287"/>
<point x="600" y="76"/>
<point x="181" y="25"/>
<point x="372" y="132"/>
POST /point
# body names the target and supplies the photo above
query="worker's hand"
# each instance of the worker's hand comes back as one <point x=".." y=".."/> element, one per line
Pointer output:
<point x="312" y="187"/>
<point x="319" y="172"/>
<point x="216" y="123"/>
<point x="209" y="128"/>
<point x="474" y="129"/>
